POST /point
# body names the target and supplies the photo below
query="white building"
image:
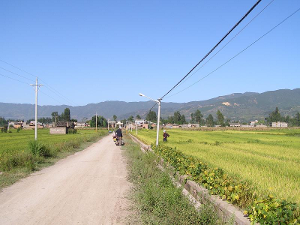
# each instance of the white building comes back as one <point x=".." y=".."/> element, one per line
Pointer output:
<point x="140" y="122"/>
<point x="279" y="124"/>
<point x="80" y="124"/>
<point x="196" y="125"/>
<point x="234" y="124"/>
<point x="252" y="123"/>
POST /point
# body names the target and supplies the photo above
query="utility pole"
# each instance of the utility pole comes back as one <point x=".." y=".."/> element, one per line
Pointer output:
<point x="36" y="104"/>
<point x="158" y="119"/>
<point x="96" y="123"/>
<point x="108" y="124"/>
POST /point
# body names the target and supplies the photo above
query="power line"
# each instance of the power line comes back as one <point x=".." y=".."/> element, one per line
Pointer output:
<point x="16" y="74"/>
<point x="17" y="68"/>
<point x="45" y="83"/>
<point x="240" y="51"/>
<point x="51" y="97"/>
<point x="213" y="47"/>
<point x="217" y="45"/>
<point x="57" y="93"/>
<point x="228" y="42"/>
<point x="14" y="79"/>
<point x="29" y="84"/>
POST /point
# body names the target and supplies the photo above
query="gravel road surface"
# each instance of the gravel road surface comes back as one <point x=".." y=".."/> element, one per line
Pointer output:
<point x="88" y="187"/>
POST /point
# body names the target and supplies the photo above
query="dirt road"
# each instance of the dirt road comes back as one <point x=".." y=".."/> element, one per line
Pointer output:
<point x="88" y="187"/>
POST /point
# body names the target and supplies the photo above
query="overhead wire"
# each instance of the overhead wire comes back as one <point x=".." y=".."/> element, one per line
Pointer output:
<point x="29" y="85"/>
<point x="240" y="51"/>
<point x="186" y="76"/>
<point x="249" y="11"/>
<point x="17" y="67"/>
<point x="45" y="84"/>
<point x="13" y="79"/>
<point x="50" y="97"/>
<point x="15" y="73"/>
<point x="57" y="93"/>
<point x="228" y="42"/>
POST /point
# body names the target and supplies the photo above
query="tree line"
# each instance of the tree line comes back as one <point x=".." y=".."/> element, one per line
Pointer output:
<point x="177" y="118"/>
<point x="198" y="118"/>
<point x="275" y="116"/>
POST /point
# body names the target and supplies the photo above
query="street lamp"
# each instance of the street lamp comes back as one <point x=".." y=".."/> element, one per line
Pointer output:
<point x="158" y="101"/>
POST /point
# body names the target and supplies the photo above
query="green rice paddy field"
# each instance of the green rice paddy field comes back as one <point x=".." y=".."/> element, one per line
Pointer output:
<point x="14" y="143"/>
<point x="269" y="159"/>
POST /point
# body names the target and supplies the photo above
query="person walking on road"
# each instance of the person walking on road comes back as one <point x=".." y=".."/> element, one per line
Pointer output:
<point x="165" y="135"/>
<point x="119" y="136"/>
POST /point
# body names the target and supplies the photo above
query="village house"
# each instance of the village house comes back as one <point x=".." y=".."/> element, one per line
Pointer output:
<point x="80" y="124"/>
<point x="193" y="125"/>
<point x="279" y="124"/>
<point x="169" y="125"/>
<point x="140" y="122"/>
<point x="39" y="125"/>
<point x="234" y="124"/>
<point x="252" y="123"/>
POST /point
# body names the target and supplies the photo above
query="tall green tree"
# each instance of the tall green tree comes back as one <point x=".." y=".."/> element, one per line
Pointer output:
<point x="297" y="120"/>
<point x="130" y="119"/>
<point x="123" y="121"/>
<point x="115" y="117"/>
<point x="54" y="116"/>
<point x="138" y="117"/>
<point x="198" y="116"/>
<point x="171" y="119"/>
<point x="178" y="118"/>
<point x="220" y="118"/>
<point x="151" y="116"/>
<point x="192" y="118"/>
<point x="101" y="121"/>
<point x="66" y="115"/>
<point x="3" y="121"/>
<point x="183" y="121"/>
<point x="210" y="121"/>
<point x="274" y="116"/>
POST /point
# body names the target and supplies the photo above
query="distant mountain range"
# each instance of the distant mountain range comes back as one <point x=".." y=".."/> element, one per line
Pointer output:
<point x="237" y="106"/>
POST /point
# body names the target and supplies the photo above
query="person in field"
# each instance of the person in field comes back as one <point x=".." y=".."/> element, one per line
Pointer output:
<point x="119" y="136"/>
<point x="165" y="135"/>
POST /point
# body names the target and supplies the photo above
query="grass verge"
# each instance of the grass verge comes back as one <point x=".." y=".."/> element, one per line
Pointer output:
<point x="156" y="199"/>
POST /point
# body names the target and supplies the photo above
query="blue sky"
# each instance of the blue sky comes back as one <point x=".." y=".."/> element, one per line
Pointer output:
<point x="93" y="51"/>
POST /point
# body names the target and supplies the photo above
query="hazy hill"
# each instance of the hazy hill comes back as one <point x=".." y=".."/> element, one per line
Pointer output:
<point x="237" y="106"/>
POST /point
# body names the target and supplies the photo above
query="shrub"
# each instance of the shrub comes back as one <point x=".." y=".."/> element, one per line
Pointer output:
<point x="72" y="131"/>
<point x="21" y="159"/>
<point x="4" y="129"/>
<point x="39" y="149"/>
